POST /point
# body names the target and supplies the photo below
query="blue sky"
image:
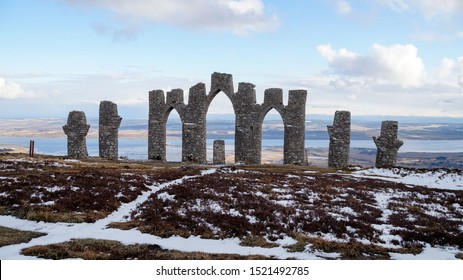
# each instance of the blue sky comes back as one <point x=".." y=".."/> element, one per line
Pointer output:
<point x="378" y="57"/>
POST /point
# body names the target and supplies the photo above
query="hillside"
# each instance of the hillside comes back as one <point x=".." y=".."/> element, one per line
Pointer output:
<point x="96" y="209"/>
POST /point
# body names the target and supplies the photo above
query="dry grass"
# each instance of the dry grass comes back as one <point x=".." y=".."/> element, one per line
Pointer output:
<point x="223" y="205"/>
<point x="257" y="241"/>
<point x="54" y="190"/>
<point x="93" y="249"/>
<point x="257" y="204"/>
<point x="10" y="236"/>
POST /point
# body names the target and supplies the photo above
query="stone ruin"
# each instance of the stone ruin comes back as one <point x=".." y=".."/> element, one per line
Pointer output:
<point x="248" y="120"/>
<point x="218" y="155"/>
<point x="387" y="144"/>
<point x="109" y="123"/>
<point x="339" y="132"/>
<point x="249" y="117"/>
<point x="76" y="130"/>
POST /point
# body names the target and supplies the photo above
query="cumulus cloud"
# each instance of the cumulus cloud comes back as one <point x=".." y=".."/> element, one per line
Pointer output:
<point x="238" y="16"/>
<point x="343" y="7"/>
<point x="446" y="68"/>
<point x="395" y="64"/>
<point x="12" y="90"/>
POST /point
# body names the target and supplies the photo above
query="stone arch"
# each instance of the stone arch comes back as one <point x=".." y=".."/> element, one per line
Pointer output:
<point x="273" y="99"/>
<point x="160" y="107"/>
<point x="248" y="120"/>
<point x="221" y="82"/>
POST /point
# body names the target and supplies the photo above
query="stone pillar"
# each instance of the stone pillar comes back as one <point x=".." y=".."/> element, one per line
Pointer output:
<point x="339" y="132"/>
<point x="157" y="126"/>
<point x="294" y="120"/>
<point x="76" y="129"/>
<point x="387" y="144"/>
<point x="248" y="126"/>
<point x="194" y="126"/>
<point x="218" y="152"/>
<point x="108" y="130"/>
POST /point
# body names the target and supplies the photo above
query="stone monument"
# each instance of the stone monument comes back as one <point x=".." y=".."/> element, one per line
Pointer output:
<point x="108" y="130"/>
<point x="339" y="132"/>
<point x="249" y="116"/>
<point x="76" y="130"/>
<point x="387" y="144"/>
<point x="218" y="156"/>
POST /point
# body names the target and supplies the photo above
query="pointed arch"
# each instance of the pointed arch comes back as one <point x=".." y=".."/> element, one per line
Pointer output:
<point x="273" y="130"/>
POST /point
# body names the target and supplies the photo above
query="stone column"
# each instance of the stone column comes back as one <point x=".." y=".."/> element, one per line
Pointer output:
<point x="194" y="126"/>
<point x="248" y="126"/>
<point x="387" y="144"/>
<point x="339" y="132"/>
<point x="108" y="130"/>
<point x="294" y="120"/>
<point x="76" y="129"/>
<point x="218" y="152"/>
<point x="157" y="126"/>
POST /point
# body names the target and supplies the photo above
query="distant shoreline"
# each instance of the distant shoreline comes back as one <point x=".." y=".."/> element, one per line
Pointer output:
<point x="316" y="157"/>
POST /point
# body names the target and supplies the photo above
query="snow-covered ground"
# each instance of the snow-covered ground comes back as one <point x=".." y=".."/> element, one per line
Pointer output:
<point x="439" y="179"/>
<point x="61" y="232"/>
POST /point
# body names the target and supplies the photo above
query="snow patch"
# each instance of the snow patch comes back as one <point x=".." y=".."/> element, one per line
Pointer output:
<point x="439" y="179"/>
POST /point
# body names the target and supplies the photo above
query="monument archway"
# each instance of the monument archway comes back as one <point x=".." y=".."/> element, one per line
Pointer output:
<point x="248" y="120"/>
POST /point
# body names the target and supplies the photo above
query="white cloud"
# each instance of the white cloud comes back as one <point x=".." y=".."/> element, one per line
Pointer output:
<point x="460" y="63"/>
<point x="429" y="8"/>
<point x="447" y="67"/>
<point x="238" y="16"/>
<point x="12" y="90"/>
<point x="389" y="80"/>
<point x="343" y="7"/>
<point x="395" y="64"/>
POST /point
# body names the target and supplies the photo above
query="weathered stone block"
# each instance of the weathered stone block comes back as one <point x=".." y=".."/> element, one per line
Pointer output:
<point x="175" y="97"/>
<point x="218" y="156"/>
<point x="76" y="129"/>
<point x="222" y="82"/>
<point x="387" y="144"/>
<point x="339" y="132"/>
<point x="109" y="123"/>
<point x="273" y="96"/>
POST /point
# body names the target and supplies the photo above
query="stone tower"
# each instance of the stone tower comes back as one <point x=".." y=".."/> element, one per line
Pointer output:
<point x="387" y="144"/>
<point x="108" y="130"/>
<point x="76" y="129"/>
<point x="339" y="132"/>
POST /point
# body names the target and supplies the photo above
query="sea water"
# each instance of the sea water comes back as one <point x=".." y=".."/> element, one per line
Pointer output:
<point x="138" y="148"/>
